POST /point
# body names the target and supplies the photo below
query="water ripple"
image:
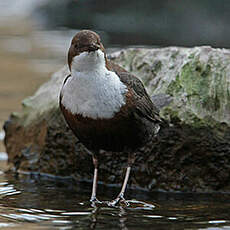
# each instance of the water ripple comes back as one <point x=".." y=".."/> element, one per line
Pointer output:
<point x="2" y="135"/>
<point x="8" y="190"/>
<point x="217" y="221"/>
<point x="76" y="213"/>
<point x="41" y="205"/>
<point x="3" y="156"/>
<point x="5" y="225"/>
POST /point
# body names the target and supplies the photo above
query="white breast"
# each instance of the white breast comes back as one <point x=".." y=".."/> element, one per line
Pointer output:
<point x="92" y="90"/>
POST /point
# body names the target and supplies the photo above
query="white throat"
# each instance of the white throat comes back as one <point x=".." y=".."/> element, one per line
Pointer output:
<point x="88" y="61"/>
<point x="92" y="90"/>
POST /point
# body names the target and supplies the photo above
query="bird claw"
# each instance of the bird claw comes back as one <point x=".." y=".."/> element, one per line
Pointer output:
<point x="94" y="201"/>
<point x="119" y="199"/>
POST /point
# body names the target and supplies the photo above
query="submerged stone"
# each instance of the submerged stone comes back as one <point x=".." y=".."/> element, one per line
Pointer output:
<point x="190" y="86"/>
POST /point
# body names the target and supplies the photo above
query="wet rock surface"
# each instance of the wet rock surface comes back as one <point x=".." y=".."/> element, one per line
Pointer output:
<point x="191" y="152"/>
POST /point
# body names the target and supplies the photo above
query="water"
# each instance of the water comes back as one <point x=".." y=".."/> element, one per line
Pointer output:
<point x="41" y="203"/>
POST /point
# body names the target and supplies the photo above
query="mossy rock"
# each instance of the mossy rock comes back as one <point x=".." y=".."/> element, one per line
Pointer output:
<point x="191" y="153"/>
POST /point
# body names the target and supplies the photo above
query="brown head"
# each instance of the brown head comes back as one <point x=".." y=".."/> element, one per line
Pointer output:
<point x="84" y="41"/>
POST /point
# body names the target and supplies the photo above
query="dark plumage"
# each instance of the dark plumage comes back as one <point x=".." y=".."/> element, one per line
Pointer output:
<point x="131" y="127"/>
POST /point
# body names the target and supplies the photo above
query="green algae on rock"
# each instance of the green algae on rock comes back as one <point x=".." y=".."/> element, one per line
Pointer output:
<point x="197" y="78"/>
<point x="191" y="153"/>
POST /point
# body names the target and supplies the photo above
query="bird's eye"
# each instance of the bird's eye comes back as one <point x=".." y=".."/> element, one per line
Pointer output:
<point x="79" y="46"/>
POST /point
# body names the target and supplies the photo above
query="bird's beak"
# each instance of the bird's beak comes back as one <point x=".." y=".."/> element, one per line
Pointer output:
<point x="94" y="47"/>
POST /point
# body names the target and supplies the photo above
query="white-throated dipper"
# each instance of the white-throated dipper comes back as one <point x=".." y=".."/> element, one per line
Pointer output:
<point x="106" y="107"/>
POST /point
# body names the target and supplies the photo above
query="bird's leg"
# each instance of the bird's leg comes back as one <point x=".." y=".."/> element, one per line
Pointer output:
<point x="93" y="198"/>
<point x="131" y="159"/>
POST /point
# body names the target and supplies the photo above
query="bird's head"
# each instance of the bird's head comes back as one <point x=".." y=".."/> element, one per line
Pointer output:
<point x="86" y="51"/>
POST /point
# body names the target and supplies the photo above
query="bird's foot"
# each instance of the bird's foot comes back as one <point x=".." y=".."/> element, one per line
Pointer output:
<point x="94" y="201"/>
<point x="119" y="199"/>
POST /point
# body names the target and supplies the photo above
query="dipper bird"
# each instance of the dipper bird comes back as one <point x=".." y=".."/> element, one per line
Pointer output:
<point x="105" y="106"/>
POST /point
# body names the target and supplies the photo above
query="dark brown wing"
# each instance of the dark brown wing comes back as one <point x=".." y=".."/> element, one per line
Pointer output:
<point x="144" y="105"/>
<point x="60" y="96"/>
<point x="66" y="79"/>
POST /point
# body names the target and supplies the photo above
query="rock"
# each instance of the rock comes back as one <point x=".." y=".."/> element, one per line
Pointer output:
<point x="192" y="153"/>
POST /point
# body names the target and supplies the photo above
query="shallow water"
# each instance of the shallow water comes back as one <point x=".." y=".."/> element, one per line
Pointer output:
<point x="41" y="203"/>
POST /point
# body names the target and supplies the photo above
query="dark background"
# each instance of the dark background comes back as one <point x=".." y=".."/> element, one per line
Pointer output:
<point x="144" y="22"/>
